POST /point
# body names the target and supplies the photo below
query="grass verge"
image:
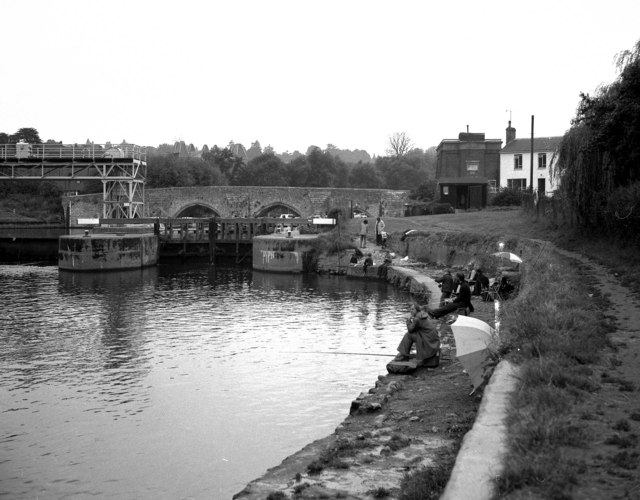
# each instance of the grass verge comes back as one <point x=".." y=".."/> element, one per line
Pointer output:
<point x="555" y="337"/>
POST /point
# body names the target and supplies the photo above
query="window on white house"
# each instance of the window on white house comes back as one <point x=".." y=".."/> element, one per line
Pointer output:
<point x="517" y="161"/>
<point x="542" y="160"/>
<point x="517" y="184"/>
<point x="472" y="167"/>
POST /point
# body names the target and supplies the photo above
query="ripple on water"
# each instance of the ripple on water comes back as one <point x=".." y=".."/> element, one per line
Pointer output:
<point x="187" y="379"/>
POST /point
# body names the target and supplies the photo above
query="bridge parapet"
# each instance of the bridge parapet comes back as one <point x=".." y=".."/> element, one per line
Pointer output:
<point x="255" y="201"/>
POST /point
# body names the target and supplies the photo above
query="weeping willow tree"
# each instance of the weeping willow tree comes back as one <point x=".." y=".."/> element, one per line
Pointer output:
<point x="599" y="158"/>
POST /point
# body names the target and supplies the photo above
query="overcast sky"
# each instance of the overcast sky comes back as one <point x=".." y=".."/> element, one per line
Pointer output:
<point x="297" y="73"/>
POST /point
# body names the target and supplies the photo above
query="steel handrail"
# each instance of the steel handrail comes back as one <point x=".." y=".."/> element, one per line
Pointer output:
<point x="74" y="152"/>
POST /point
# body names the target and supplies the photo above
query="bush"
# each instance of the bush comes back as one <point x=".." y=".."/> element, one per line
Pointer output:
<point x="425" y="484"/>
<point x="622" y="214"/>
<point x="507" y="197"/>
<point x="334" y="242"/>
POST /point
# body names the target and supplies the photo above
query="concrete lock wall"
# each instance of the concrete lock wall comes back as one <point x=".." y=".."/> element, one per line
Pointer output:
<point x="104" y="252"/>
<point x="250" y="201"/>
<point x="279" y="253"/>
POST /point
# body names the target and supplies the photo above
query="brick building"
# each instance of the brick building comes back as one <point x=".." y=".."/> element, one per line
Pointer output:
<point x="467" y="168"/>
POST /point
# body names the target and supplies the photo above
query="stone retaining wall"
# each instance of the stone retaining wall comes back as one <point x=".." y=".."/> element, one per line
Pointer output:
<point x="453" y="251"/>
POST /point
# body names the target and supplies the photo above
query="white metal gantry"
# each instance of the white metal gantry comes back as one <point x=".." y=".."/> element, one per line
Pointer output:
<point x="122" y="169"/>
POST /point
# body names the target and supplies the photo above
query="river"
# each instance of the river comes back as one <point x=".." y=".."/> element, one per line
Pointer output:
<point x="177" y="381"/>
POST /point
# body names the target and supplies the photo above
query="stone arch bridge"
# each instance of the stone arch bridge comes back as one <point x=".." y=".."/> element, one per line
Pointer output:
<point x="251" y="201"/>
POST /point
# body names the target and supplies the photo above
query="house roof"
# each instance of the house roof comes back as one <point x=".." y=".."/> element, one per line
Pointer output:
<point x="539" y="144"/>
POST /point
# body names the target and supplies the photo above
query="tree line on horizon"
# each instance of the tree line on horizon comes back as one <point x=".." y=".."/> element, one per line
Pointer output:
<point x="405" y="167"/>
<point x="317" y="168"/>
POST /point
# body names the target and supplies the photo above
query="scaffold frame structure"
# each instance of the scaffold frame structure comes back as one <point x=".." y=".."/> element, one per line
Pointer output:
<point x="122" y="169"/>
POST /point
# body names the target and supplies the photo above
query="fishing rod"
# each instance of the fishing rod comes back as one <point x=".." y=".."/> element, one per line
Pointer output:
<point x="345" y="353"/>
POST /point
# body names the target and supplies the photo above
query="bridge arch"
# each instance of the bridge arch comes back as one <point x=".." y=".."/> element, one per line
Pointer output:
<point x="198" y="210"/>
<point x="242" y="201"/>
<point x="275" y="209"/>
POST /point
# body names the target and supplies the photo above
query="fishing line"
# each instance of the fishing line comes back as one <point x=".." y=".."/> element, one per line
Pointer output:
<point x="345" y="353"/>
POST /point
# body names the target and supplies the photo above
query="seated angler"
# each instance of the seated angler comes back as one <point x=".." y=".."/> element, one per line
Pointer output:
<point x="422" y="331"/>
<point x="481" y="282"/>
<point x="368" y="262"/>
<point x="461" y="301"/>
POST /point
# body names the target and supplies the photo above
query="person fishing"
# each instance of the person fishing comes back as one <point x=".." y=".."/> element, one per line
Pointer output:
<point x="446" y="286"/>
<point x="368" y="262"/>
<point x="421" y="331"/>
<point x="461" y="301"/>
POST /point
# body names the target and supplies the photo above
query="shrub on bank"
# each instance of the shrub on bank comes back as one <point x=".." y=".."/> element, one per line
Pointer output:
<point x="506" y="198"/>
<point x="428" y="483"/>
<point x="335" y="241"/>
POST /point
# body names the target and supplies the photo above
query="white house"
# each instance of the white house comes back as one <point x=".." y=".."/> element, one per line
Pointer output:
<point x="515" y="163"/>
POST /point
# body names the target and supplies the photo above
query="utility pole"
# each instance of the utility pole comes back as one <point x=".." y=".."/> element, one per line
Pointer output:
<point x="531" y="175"/>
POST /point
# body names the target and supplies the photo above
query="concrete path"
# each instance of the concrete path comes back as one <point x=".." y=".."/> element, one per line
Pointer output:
<point x="481" y="455"/>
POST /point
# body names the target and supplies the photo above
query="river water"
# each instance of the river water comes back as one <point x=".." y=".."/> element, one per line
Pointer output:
<point x="177" y="381"/>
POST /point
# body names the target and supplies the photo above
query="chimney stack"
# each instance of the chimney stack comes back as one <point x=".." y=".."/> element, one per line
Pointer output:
<point x="511" y="133"/>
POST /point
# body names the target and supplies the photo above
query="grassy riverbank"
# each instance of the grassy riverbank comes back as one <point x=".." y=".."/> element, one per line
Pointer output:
<point x="559" y="331"/>
<point x="573" y="421"/>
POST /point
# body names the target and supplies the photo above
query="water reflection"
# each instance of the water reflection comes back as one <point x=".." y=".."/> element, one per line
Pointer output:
<point x="120" y="327"/>
<point x="191" y="381"/>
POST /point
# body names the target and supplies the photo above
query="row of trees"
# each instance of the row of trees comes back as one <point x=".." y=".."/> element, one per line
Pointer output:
<point x="316" y="168"/>
<point x="26" y="134"/>
<point x="599" y="162"/>
<point x="405" y="167"/>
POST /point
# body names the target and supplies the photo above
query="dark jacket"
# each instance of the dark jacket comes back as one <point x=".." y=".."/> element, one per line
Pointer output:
<point x="481" y="283"/>
<point x="464" y="296"/>
<point x="424" y="334"/>
<point x="368" y="262"/>
<point x="447" y="283"/>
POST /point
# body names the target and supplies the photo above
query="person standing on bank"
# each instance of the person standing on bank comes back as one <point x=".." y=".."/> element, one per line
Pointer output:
<point x="364" y="229"/>
<point x="379" y="230"/>
<point x="422" y="331"/>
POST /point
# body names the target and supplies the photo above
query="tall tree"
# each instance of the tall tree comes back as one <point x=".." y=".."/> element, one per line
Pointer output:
<point x="399" y="173"/>
<point x="399" y="144"/>
<point x="600" y="154"/>
<point x="265" y="170"/>
<point x="322" y="168"/>
<point x="224" y="159"/>
<point x="27" y="134"/>
<point x="363" y="175"/>
<point x="298" y="171"/>
<point x="254" y="151"/>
